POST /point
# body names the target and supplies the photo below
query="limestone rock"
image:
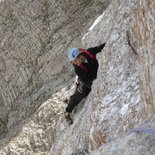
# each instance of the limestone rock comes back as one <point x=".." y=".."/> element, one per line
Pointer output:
<point x="122" y="96"/>
<point x="37" y="134"/>
<point x="34" y="39"/>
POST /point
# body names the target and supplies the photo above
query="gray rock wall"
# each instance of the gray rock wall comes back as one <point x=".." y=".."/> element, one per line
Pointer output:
<point x="34" y="39"/>
<point x="122" y="97"/>
<point x="142" y="35"/>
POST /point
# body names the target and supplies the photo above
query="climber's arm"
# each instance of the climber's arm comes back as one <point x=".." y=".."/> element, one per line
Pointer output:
<point x="96" y="49"/>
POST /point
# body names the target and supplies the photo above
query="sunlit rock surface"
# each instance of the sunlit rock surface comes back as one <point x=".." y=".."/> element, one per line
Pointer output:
<point x="37" y="133"/>
<point x="122" y="96"/>
<point x="34" y="39"/>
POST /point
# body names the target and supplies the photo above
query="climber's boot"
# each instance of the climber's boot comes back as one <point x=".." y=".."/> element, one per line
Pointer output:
<point x="68" y="118"/>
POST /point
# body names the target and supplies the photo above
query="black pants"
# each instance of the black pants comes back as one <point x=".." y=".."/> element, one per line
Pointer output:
<point x="76" y="98"/>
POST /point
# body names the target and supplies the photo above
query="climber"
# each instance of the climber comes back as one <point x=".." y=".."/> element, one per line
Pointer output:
<point x="85" y="66"/>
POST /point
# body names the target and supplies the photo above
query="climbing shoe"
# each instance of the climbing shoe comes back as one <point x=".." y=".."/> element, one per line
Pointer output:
<point x="68" y="119"/>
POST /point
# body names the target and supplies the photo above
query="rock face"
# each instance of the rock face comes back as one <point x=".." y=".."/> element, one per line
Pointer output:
<point x="34" y="39"/>
<point x="36" y="134"/>
<point x="143" y="43"/>
<point x="122" y="97"/>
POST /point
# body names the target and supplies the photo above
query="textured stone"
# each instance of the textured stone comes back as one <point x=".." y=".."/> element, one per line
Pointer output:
<point x="143" y="41"/>
<point x="34" y="39"/>
<point x="122" y="97"/>
<point x="36" y="134"/>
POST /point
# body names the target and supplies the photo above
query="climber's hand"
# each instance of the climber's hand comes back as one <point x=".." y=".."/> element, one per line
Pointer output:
<point x="77" y="80"/>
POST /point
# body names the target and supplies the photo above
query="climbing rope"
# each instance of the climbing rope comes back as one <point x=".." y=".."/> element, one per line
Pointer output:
<point x="148" y="131"/>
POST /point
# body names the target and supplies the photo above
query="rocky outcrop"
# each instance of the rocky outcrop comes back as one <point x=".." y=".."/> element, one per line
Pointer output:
<point x="122" y="97"/>
<point x="34" y="38"/>
<point x="142" y="36"/>
<point x="36" y="134"/>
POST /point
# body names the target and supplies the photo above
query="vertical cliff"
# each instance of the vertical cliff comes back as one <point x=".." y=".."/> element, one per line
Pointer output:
<point x="122" y="97"/>
<point x="35" y="39"/>
<point x="35" y="36"/>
